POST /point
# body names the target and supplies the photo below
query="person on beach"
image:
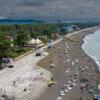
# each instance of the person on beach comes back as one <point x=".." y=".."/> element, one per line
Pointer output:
<point x="41" y="73"/>
<point x="1" y="90"/>
<point x="14" y="83"/>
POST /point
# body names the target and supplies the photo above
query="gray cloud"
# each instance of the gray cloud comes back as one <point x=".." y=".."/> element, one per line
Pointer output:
<point x="29" y="3"/>
<point x="51" y="9"/>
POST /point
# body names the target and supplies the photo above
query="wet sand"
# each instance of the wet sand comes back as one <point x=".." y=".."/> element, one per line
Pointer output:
<point x="72" y="64"/>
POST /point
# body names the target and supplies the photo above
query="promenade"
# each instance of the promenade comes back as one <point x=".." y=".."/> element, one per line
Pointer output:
<point x="25" y="79"/>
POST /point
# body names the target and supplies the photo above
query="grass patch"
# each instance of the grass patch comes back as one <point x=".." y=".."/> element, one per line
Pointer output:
<point x="17" y="53"/>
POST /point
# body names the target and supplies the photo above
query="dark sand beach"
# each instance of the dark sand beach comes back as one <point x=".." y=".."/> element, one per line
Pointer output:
<point x="71" y="65"/>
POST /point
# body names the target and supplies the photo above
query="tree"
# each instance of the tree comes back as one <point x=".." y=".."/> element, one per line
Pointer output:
<point x="48" y="30"/>
<point x="21" y="39"/>
<point x="63" y="30"/>
<point x="4" y="46"/>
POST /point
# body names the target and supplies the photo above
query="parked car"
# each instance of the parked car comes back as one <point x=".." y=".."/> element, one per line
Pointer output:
<point x="38" y="53"/>
<point x="10" y="66"/>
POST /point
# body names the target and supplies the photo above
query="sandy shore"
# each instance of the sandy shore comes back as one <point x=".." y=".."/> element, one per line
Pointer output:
<point x="72" y="64"/>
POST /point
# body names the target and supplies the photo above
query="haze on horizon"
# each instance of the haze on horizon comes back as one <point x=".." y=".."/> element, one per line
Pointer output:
<point x="51" y="9"/>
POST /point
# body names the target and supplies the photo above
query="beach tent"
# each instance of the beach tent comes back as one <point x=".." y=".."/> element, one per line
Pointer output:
<point x="35" y="41"/>
<point x="32" y="41"/>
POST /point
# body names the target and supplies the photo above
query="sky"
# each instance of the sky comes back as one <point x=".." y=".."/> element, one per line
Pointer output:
<point x="51" y="9"/>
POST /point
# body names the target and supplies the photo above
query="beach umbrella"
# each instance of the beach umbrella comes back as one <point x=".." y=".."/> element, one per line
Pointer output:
<point x="68" y="60"/>
<point x="67" y="71"/>
<point x="62" y="93"/>
<point x="76" y="60"/>
<point x="73" y="63"/>
<point x="59" y="98"/>
<point x="66" y="90"/>
<point x="52" y="65"/>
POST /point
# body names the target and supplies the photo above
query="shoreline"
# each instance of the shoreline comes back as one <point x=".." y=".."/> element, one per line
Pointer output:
<point x="85" y="50"/>
<point x="88" y="61"/>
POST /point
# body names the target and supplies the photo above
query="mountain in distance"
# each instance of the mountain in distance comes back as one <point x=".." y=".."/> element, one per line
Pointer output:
<point x="19" y="21"/>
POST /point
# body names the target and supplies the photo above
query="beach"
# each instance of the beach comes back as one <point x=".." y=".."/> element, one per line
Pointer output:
<point x="72" y="66"/>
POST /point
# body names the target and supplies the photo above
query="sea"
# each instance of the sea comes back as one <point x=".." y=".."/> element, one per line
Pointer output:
<point x="91" y="46"/>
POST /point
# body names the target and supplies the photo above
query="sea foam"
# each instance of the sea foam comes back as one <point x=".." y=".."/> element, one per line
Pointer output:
<point x="91" y="46"/>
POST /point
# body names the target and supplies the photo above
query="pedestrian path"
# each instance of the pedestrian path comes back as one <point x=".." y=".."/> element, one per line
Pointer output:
<point x="38" y="89"/>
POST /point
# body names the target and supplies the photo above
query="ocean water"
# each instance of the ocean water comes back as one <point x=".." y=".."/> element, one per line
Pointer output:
<point x="91" y="46"/>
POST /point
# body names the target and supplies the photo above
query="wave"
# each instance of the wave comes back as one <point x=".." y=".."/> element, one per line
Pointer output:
<point x="85" y="48"/>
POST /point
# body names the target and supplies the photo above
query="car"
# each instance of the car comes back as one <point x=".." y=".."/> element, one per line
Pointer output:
<point x="10" y="66"/>
<point x="38" y="54"/>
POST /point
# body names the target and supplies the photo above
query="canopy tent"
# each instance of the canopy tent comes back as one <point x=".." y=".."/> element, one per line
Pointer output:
<point x="31" y="41"/>
<point x="37" y="41"/>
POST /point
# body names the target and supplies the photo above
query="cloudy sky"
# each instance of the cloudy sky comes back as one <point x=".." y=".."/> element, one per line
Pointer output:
<point x="51" y="9"/>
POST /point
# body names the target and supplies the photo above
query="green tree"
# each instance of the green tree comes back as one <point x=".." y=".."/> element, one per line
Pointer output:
<point x="4" y="46"/>
<point x="21" y="39"/>
<point x="48" y="30"/>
